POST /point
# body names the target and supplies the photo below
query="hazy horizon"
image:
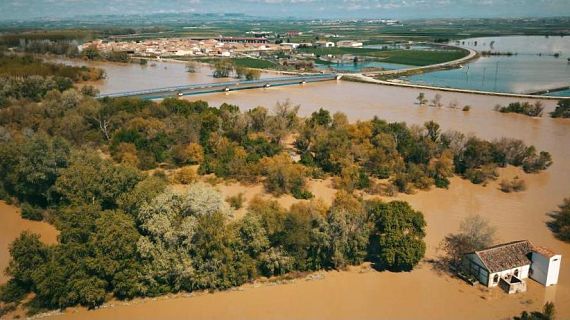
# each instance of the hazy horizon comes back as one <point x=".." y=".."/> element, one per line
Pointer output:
<point x="306" y="9"/>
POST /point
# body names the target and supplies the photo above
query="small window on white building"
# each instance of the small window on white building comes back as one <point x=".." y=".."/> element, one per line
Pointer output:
<point x="516" y="272"/>
<point x="496" y="278"/>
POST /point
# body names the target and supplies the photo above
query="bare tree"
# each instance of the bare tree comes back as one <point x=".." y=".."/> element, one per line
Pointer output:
<point x="475" y="233"/>
<point x="436" y="101"/>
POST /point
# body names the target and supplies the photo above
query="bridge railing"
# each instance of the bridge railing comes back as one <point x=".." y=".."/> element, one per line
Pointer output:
<point x="218" y="84"/>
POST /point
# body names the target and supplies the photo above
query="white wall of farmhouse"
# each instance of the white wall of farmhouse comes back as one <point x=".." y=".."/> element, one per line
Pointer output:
<point x="545" y="269"/>
<point x="521" y="273"/>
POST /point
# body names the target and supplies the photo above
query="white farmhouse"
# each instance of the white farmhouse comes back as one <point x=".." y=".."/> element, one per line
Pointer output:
<point x="325" y="44"/>
<point x="507" y="265"/>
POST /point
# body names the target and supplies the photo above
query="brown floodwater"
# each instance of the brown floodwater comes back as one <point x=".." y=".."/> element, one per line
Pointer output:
<point x="122" y="77"/>
<point x="422" y="293"/>
<point x="11" y="226"/>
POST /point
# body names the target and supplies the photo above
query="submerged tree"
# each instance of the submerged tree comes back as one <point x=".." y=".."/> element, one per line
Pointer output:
<point x="562" y="109"/>
<point x="475" y="233"/>
<point x="223" y="68"/>
<point x="548" y="313"/>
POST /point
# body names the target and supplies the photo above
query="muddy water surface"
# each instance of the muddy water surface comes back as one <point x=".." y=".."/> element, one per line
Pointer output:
<point x="121" y="77"/>
<point x="422" y="293"/>
<point x="11" y="225"/>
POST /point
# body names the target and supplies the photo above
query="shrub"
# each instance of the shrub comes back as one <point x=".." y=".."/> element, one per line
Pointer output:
<point x="236" y="201"/>
<point x="12" y="292"/>
<point x="185" y="175"/>
<point x="284" y="176"/>
<point x="482" y="174"/>
<point x="515" y="185"/>
<point x="466" y="108"/>
<point x="526" y="108"/>
<point x="31" y="213"/>
<point x="562" y="109"/>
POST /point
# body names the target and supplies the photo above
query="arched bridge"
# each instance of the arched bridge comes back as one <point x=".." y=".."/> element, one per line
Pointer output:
<point x="194" y="89"/>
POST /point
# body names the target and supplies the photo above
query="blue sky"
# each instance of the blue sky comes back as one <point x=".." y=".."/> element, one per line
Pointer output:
<point x="400" y="9"/>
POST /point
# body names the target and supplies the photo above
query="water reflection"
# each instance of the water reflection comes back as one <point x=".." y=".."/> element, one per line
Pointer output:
<point x="536" y="63"/>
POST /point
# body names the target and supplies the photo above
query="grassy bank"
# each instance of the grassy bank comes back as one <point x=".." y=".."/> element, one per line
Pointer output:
<point x="23" y="66"/>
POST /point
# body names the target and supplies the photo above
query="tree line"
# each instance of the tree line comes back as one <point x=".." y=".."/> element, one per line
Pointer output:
<point x="25" y="78"/>
<point x="374" y="156"/>
<point x="224" y="68"/>
<point x="562" y="109"/>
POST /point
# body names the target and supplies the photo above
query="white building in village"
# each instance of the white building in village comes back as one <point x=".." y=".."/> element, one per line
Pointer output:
<point x="349" y="44"/>
<point x="507" y="265"/>
<point x="325" y="44"/>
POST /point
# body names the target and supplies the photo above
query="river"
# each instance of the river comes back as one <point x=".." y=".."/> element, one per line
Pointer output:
<point x="122" y="77"/>
<point x="533" y="66"/>
<point x="422" y="293"/>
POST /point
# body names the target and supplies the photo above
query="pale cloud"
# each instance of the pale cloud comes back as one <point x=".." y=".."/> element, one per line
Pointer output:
<point x="29" y="9"/>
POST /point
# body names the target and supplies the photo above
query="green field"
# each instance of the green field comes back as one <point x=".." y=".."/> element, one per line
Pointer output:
<point x="253" y="63"/>
<point x="408" y="57"/>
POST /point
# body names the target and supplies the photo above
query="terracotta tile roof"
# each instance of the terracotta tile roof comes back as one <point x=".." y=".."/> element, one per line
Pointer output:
<point x="506" y="256"/>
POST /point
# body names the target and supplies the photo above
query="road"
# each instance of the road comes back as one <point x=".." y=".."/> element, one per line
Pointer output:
<point x="160" y="93"/>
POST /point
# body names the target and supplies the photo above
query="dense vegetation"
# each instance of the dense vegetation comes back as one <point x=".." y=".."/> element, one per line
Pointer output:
<point x="536" y="109"/>
<point x="526" y="108"/>
<point x="124" y="233"/>
<point x="77" y="162"/>
<point x="24" y="66"/>
<point x="560" y="223"/>
<point x="372" y="155"/>
<point x="25" y="77"/>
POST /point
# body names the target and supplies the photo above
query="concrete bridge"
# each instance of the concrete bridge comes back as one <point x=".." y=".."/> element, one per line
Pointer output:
<point x="193" y="89"/>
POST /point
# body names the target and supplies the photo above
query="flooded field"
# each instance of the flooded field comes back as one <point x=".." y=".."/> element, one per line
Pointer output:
<point x="11" y="227"/>
<point x="535" y="63"/>
<point x="422" y="293"/>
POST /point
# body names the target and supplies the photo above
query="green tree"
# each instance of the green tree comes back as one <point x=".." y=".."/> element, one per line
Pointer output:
<point x="91" y="52"/>
<point x="217" y="260"/>
<point x="223" y="68"/>
<point x="142" y="193"/>
<point x="397" y="241"/>
<point x="33" y="166"/>
<point x="114" y="250"/>
<point x="92" y="180"/>
<point x="284" y="176"/>
<point x="422" y="100"/>
<point x="321" y="117"/>
<point x="348" y="230"/>
<point x="27" y="253"/>
<point x="562" y="109"/>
